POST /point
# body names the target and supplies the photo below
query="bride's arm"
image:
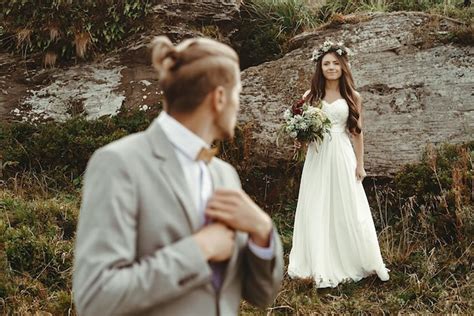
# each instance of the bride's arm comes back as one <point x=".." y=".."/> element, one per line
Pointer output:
<point x="358" y="140"/>
<point x="305" y="95"/>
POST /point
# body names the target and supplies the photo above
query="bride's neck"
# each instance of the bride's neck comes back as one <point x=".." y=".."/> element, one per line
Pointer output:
<point x="332" y="86"/>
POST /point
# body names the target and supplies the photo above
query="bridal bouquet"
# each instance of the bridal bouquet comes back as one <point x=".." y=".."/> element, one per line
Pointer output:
<point x="304" y="124"/>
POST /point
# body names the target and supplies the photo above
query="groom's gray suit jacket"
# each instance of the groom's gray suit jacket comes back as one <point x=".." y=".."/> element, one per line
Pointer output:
<point x="134" y="252"/>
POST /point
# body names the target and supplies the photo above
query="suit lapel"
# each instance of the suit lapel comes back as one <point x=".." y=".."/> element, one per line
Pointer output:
<point x="216" y="180"/>
<point x="172" y="171"/>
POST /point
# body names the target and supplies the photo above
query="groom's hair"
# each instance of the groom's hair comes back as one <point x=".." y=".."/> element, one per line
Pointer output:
<point x="189" y="71"/>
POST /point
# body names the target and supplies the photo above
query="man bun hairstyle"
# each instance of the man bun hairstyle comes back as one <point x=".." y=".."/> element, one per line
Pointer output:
<point x="189" y="71"/>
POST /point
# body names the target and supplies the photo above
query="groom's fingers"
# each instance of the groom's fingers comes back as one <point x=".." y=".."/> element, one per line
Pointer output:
<point x="229" y="193"/>
<point x="219" y="215"/>
<point x="229" y="199"/>
<point x="215" y="204"/>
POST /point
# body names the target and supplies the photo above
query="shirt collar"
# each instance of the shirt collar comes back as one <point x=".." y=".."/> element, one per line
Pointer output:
<point x="181" y="137"/>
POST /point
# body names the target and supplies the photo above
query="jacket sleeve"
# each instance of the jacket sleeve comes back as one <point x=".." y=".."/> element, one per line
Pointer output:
<point x="262" y="278"/>
<point x="108" y="277"/>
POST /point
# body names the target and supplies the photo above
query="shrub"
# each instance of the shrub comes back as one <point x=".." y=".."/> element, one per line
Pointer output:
<point x="267" y="25"/>
<point x="454" y="9"/>
<point x="36" y="254"/>
<point x="61" y="151"/>
<point x="436" y="193"/>
<point x="62" y="29"/>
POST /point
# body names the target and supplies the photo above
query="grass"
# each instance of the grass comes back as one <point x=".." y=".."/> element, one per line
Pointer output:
<point x="424" y="217"/>
<point x="36" y="251"/>
<point x="425" y="278"/>
<point x="424" y="226"/>
<point x="454" y="9"/>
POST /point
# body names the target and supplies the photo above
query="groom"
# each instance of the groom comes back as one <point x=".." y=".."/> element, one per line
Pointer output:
<point x="165" y="228"/>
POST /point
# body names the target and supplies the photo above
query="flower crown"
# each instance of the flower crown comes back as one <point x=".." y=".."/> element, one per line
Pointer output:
<point x="329" y="46"/>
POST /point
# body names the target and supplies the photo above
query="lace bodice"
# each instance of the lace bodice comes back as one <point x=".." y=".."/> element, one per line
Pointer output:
<point x="337" y="111"/>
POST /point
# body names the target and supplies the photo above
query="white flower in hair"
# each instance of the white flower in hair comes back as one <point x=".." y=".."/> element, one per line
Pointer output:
<point x="328" y="43"/>
<point x="329" y="46"/>
<point x="316" y="55"/>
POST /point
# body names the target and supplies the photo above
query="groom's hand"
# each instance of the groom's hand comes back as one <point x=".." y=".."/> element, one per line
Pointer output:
<point x="216" y="241"/>
<point x="235" y="209"/>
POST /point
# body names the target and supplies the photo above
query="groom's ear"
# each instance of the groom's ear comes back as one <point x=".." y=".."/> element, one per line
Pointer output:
<point x="218" y="99"/>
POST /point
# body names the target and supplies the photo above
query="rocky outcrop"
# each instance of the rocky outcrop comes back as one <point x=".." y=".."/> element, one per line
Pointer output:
<point x="219" y="12"/>
<point x="416" y="89"/>
<point x="30" y="92"/>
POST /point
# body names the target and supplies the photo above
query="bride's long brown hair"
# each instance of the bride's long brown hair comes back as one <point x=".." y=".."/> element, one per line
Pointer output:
<point x="346" y="87"/>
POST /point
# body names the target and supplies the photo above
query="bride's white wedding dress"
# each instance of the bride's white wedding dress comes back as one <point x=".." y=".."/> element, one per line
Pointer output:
<point x="334" y="238"/>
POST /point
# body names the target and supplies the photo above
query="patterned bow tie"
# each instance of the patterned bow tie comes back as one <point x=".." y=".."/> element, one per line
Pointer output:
<point x="206" y="154"/>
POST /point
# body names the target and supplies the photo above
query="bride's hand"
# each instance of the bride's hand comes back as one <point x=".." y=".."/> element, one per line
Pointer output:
<point x="360" y="173"/>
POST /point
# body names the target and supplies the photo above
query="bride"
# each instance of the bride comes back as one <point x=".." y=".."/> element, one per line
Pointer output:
<point x="334" y="238"/>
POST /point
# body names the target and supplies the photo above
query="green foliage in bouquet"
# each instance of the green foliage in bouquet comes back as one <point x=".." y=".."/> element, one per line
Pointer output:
<point x="304" y="123"/>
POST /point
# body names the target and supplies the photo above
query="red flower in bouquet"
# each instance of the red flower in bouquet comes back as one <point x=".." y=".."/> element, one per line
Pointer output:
<point x="297" y="108"/>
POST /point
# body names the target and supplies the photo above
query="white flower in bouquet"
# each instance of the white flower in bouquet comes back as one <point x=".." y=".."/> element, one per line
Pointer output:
<point x="316" y="123"/>
<point x="304" y="126"/>
<point x="305" y="123"/>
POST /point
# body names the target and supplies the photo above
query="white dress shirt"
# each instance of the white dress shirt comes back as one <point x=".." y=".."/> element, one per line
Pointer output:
<point x="187" y="146"/>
